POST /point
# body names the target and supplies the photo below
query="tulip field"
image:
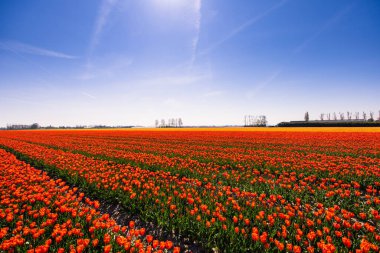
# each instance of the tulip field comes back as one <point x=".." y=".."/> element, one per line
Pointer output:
<point x="213" y="190"/>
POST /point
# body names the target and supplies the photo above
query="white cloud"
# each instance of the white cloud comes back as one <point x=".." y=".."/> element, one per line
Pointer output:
<point x="18" y="47"/>
<point x="106" y="66"/>
<point x="243" y="26"/>
<point x="197" y="24"/>
<point x="253" y="92"/>
<point x="88" y="95"/>
<point x="101" y="21"/>
<point x="214" y="93"/>
<point x="330" y="23"/>
<point x="176" y="80"/>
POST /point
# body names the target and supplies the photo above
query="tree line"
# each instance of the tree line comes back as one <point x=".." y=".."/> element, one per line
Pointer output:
<point x="348" y="116"/>
<point x="173" y="122"/>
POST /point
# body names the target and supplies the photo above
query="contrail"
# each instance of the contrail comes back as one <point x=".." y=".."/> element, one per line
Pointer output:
<point x="198" y="19"/>
<point x="19" y="47"/>
<point x="243" y="26"/>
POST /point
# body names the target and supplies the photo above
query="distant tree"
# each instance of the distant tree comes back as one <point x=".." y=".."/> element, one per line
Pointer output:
<point x="357" y="115"/>
<point x="163" y="123"/>
<point x="180" y="123"/>
<point x="322" y="116"/>
<point x="307" y="116"/>
<point x="250" y="120"/>
<point x="349" y="115"/>
<point x="341" y="116"/>
<point x="262" y="120"/>
<point x="34" y="126"/>
<point x="364" y="115"/>
<point x="156" y="123"/>
<point x="371" y="114"/>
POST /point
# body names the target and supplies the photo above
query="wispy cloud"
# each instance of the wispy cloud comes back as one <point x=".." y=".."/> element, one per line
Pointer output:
<point x="18" y="47"/>
<point x="88" y="95"/>
<point x="86" y="75"/>
<point x="101" y="20"/>
<point x="107" y="66"/>
<point x="214" y="93"/>
<point x="29" y="61"/>
<point x="196" y="53"/>
<point x="329" y="23"/>
<point x="176" y="80"/>
<point x="244" y="26"/>
<point x="253" y="92"/>
<point x="21" y="100"/>
<point x="197" y="24"/>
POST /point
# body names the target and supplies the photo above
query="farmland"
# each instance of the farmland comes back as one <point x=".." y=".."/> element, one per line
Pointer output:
<point x="223" y="190"/>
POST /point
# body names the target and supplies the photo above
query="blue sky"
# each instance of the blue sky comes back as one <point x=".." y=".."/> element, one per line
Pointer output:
<point x="210" y="62"/>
